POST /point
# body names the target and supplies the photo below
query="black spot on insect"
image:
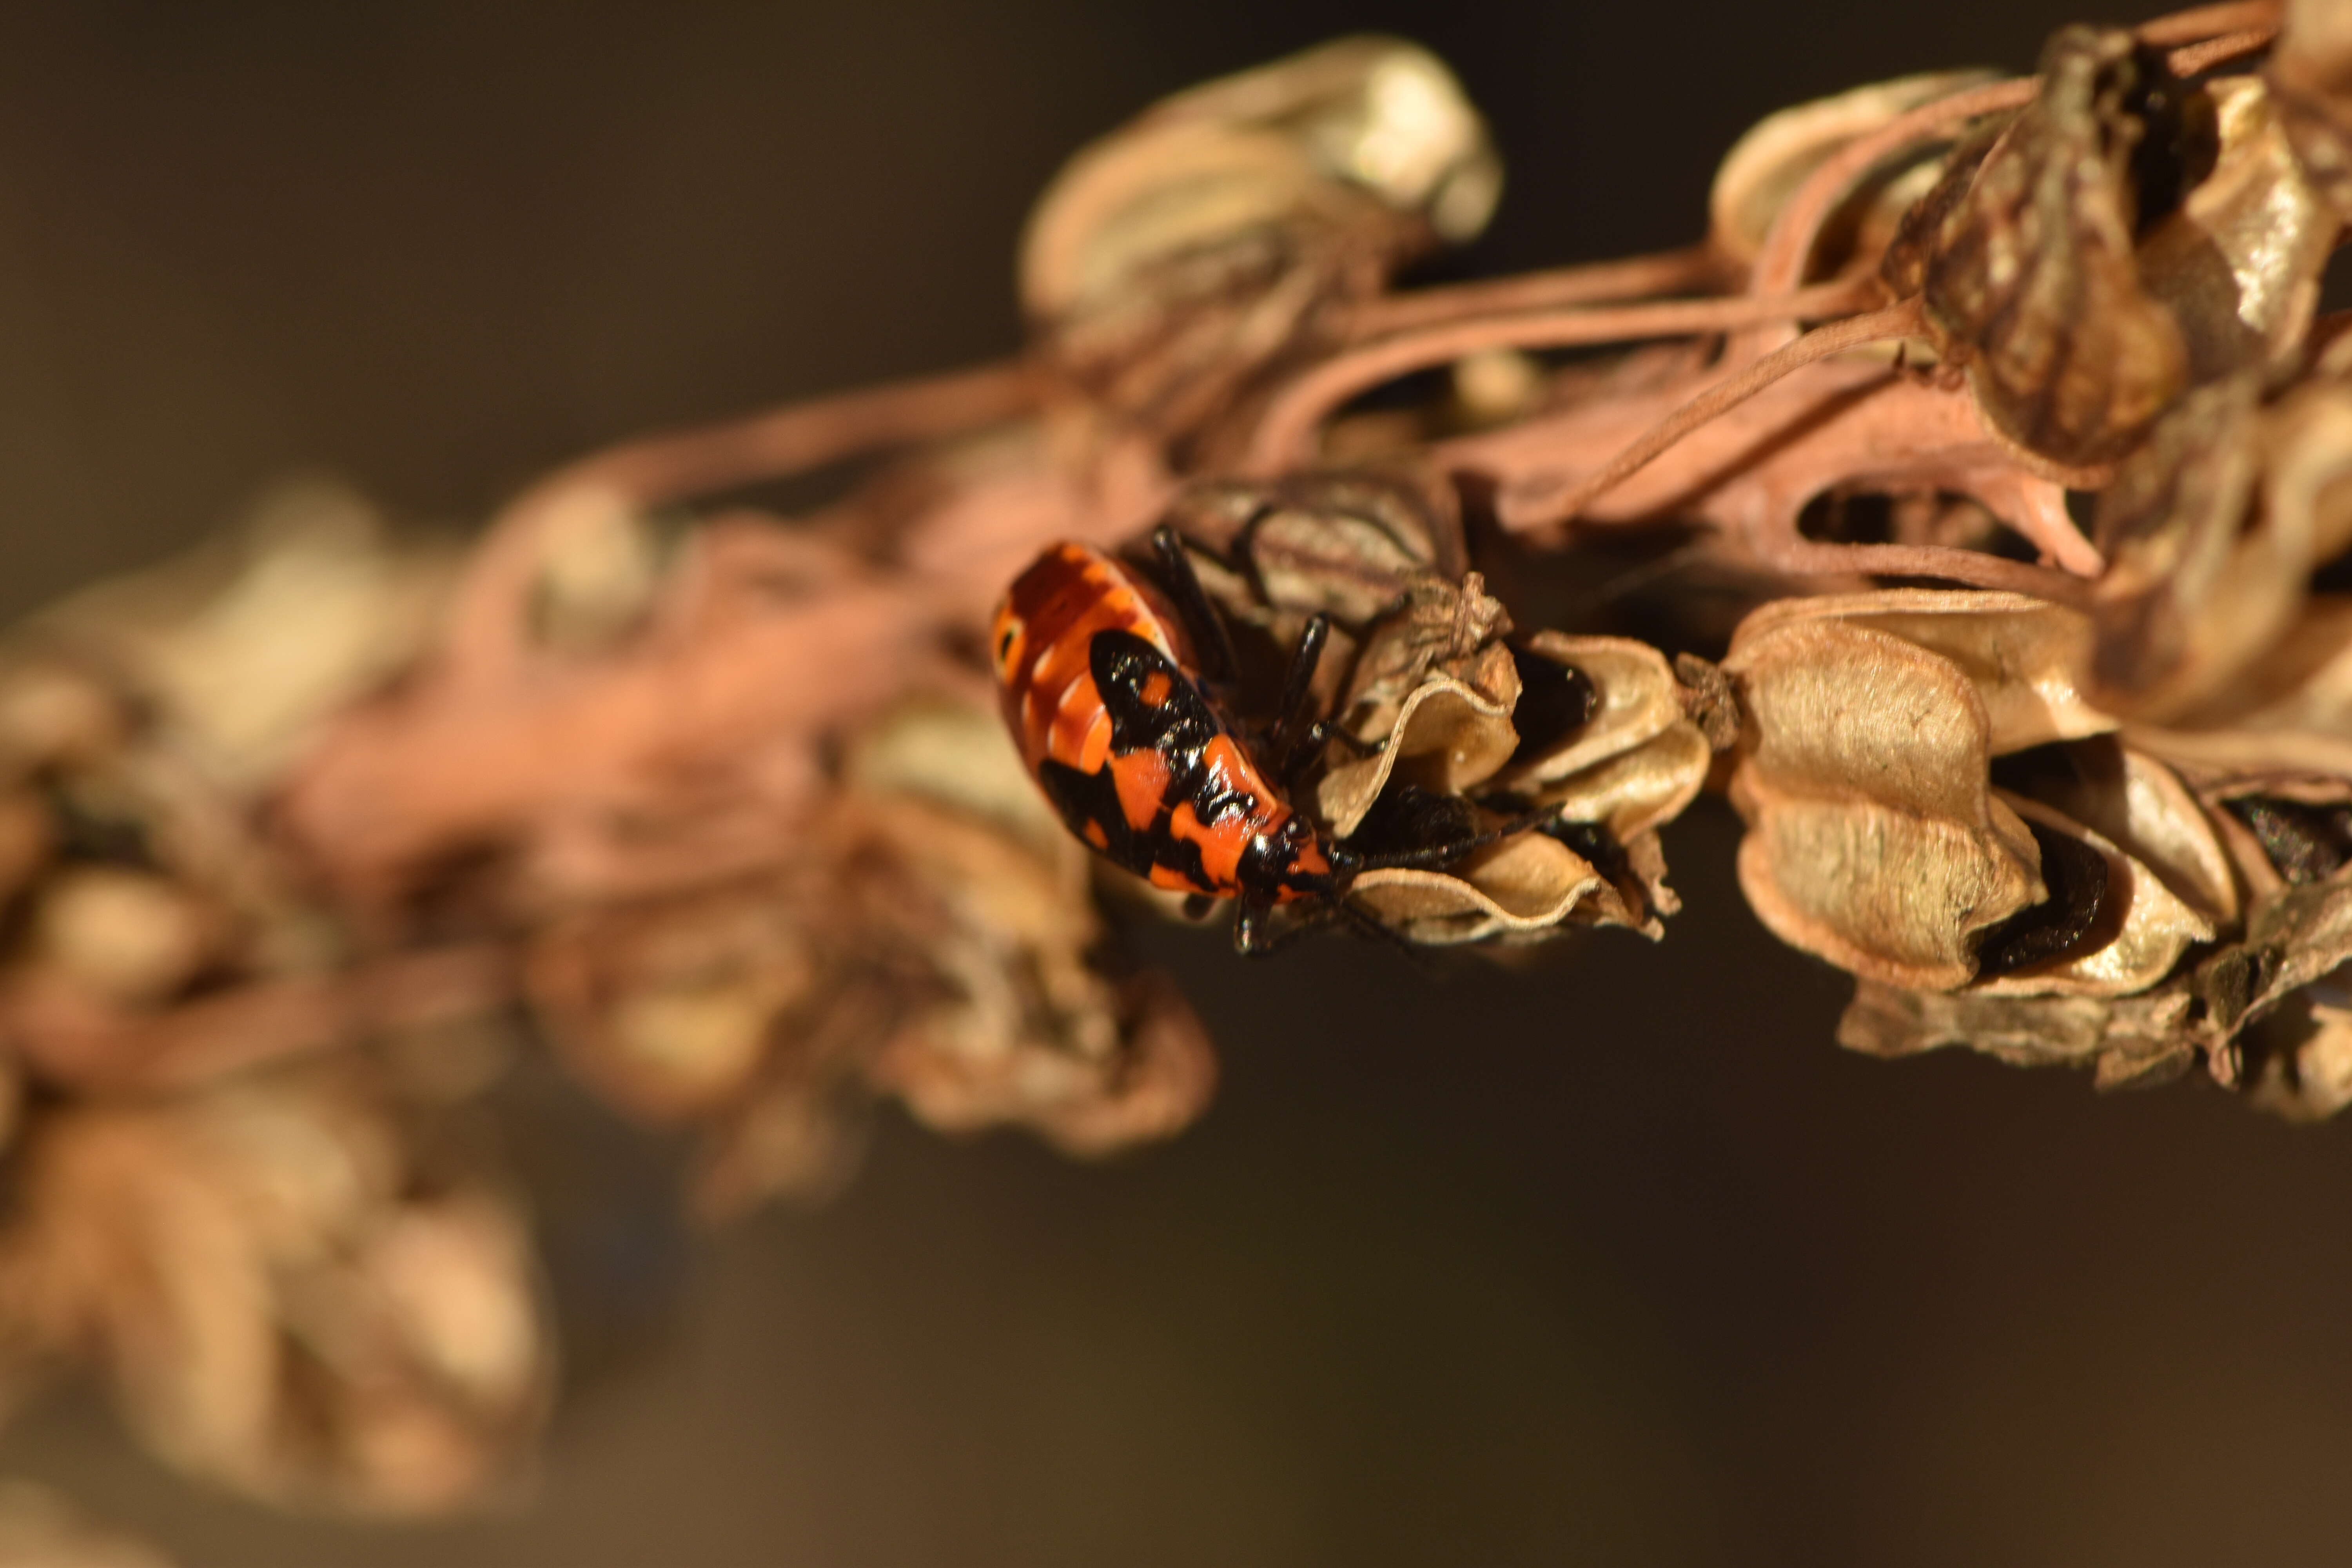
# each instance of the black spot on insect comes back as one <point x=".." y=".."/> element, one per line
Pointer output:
<point x="1091" y="800"/>
<point x="2076" y="876"/>
<point x="1178" y="725"/>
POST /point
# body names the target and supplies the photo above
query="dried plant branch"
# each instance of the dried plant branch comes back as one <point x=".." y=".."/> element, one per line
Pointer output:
<point x="714" y="802"/>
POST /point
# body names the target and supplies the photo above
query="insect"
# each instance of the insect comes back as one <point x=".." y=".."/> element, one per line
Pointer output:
<point x="1105" y="690"/>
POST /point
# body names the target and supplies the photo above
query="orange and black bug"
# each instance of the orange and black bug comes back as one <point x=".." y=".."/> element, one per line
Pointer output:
<point x="1104" y="687"/>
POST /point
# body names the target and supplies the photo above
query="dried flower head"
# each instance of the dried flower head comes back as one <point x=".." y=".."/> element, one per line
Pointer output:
<point x="1174" y="261"/>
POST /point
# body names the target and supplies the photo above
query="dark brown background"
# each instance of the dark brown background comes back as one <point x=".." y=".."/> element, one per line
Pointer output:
<point x="1615" y="1260"/>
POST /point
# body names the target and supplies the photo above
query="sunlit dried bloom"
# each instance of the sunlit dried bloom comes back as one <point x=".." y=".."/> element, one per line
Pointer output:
<point x="1173" y="261"/>
<point x="1458" y="725"/>
<point x="288" y="1297"/>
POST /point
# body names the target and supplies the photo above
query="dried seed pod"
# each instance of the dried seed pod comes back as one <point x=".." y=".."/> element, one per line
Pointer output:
<point x="1874" y="840"/>
<point x="1169" y="263"/>
<point x="2021" y="654"/>
<point x="1767" y="164"/>
<point x="2030" y="278"/>
<point x="286" y="1302"/>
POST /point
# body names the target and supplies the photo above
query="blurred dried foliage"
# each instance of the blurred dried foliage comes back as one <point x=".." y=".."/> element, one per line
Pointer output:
<point x="302" y="840"/>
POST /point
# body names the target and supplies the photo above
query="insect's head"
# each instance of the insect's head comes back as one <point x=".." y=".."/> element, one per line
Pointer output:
<point x="1288" y="861"/>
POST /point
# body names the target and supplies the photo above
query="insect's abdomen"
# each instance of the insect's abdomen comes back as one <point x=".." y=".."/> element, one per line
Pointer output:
<point x="1097" y="690"/>
<point x="1042" y="643"/>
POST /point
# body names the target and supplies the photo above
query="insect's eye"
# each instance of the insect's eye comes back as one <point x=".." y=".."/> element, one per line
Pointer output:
<point x="1004" y="641"/>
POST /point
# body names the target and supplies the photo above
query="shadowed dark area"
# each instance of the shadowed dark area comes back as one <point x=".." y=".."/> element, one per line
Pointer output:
<point x="1605" y="1256"/>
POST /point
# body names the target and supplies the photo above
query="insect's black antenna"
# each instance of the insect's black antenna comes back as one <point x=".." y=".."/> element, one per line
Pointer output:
<point x="1218" y="662"/>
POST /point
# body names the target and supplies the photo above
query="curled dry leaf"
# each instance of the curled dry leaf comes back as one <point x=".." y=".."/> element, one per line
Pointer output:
<point x="1171" y="262"/>
<point x="2029" y="279"/>
<point x="285" y="1300"/>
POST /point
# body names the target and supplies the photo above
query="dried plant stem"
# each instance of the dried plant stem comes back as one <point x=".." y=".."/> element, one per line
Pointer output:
<point x="200" y="1041"/>
<point x="1895" y="322"/>
<point x="1282" y="429"/>
<point x="1587" y="283"/>
<point x="2199" y="58"/>
<point x="803" y="435"/>
<point x="2202" y="22"/>
<point x="658" y="469"/>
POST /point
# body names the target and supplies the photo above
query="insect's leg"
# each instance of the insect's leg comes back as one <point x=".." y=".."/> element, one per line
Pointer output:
<point x="1218" y="662"/>
<point x="1437" y="857"/>
<point x="1256" y="936"/>
<point x="1287" y="739"/>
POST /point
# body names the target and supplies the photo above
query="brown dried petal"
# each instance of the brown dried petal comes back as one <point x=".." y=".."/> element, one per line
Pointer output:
<point x="2139" y="934"/>
<point x="1525" y="885"/>
<point x="2031" y="280"/>
<point x="247" y="642"/>
<point x="1157" y="1086"/>
<point x="1635" y="698"/>
<point x="2239" y="264"/>
<point x="2021" y="653"/>
<point x="1874" y="840"/>
<point x="2141" y="1035"/>
<point x="2138" y="803"/>
<point x="1447" y="738"/>
<point x="1767" y="164"/>
<point x="667" y="1011"/>
<point x="2168" y="527"/>
<point x="1638" y="790"/>
<point x="1350" y="545"/>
